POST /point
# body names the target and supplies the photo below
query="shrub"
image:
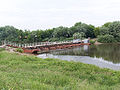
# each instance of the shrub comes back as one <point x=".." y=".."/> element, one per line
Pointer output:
<point x="106" y="39"/>
<point x="19" y="50"/>
<point x="92" y="41"/>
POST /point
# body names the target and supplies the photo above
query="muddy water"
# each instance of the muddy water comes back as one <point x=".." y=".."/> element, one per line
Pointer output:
<point x="104" y="55"/>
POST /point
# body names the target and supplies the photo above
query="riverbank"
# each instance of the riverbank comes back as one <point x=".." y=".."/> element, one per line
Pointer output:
<point x="29" y="72"/>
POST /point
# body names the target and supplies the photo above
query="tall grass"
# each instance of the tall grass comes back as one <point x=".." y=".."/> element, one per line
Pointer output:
<point x="19" y="72"/>
<point x="19" y="50"/>
<point x="2" y="49"/>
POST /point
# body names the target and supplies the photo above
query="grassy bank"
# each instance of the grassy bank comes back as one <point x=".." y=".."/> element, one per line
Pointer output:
<point x="19" y="72"/>
<point x="2" y="49"/>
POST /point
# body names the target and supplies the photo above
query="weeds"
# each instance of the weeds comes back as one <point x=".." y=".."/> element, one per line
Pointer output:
<point x="19" y="72"/>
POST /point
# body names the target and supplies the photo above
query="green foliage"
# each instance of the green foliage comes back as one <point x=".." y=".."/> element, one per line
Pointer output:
<point x="60" y="32"/>
<point x="68" y="39"/>
<point x="92" y="41"/>
<point x="106" y="39"/>
<point x="79" y="35"/>
<point x="19" y="50"/>
<point x="9" y="33"/>
<point x="107" y="24"/>
<point x="97" y="31"/>
<point x="114" y="29"/>
<point x="87" y="29"/>
<point x="29" y="72"/>
<point x="90" y="31"/>
<point x="111" y="28"/>
<point x="104" y="30"/>
<point x="54" y="39"/>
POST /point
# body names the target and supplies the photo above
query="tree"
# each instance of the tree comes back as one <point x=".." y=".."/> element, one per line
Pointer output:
<point x="106" y="39"/>
<point x="111" y="28"/>
<point x="90" y="31"/>
<point x="87" y="29"/>
<point x="97" y="31"/>
<point x="79" y="35"/>
<point x="60" y="32"/>
<point x="114" y="29"/>
<point x="104" y="30"/>
<point x="107" y="24"/>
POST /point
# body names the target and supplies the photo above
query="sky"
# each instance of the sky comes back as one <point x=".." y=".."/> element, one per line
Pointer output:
<point x="46" y="14"/>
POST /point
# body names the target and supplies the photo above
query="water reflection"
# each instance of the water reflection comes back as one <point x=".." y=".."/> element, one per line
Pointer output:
<point x="108" y="52"/>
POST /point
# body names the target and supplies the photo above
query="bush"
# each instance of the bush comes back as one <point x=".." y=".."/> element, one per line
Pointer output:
<point x="106" y="39"/>
<point x="92" y="41"/>
<point x="19" y="50"/>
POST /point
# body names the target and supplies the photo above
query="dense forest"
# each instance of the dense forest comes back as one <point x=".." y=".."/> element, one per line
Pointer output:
<point x="107" y="33"/>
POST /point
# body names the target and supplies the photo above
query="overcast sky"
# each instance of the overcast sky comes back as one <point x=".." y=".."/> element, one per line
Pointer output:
<point x="45" y="14"/>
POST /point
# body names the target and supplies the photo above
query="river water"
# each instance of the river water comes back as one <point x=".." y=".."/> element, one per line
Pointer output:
<point x="104" y="55"/>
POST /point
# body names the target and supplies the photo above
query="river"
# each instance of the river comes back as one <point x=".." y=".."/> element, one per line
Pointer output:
<point x="104" y="55"/>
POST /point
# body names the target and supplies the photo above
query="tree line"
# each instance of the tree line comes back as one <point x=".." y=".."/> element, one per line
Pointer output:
<point x="110" y="30"/>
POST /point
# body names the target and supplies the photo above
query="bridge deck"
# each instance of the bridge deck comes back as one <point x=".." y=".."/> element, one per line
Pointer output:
<point x="45" y="46"/>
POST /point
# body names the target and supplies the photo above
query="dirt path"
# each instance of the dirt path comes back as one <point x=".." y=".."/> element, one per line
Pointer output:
<point x="13" y="50"/>
<point x="97" y="43"/>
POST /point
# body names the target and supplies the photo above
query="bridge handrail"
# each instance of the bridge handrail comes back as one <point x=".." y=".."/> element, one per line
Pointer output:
<point x="35" y="43"/>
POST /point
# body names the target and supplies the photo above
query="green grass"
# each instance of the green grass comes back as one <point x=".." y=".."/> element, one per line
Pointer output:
<point x="2" y="49"/>
<point x="20" y="72"/>
<point x="20" y="50"/>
